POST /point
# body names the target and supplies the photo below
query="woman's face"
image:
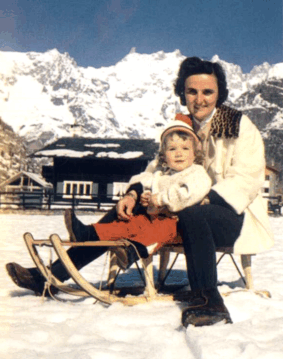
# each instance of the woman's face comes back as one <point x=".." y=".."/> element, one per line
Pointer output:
<point x="201" y="93"/>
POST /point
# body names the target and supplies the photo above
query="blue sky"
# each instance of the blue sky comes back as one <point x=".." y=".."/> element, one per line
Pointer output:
<point x="101" y="32"/>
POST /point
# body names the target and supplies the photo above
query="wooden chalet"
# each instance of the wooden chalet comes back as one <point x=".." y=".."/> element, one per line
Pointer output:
<point x="271" y="180"/>
<point x="24" y="189"/>
<point x="94" y="169"/>
<point x="271" y="192"/>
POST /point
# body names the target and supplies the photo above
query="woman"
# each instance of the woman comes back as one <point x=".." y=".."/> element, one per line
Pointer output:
<point x="236" y="215"/>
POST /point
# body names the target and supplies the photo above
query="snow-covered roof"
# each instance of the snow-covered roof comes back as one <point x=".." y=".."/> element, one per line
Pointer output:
<point x="34" y="176"/>
<point x="79" y="147"/>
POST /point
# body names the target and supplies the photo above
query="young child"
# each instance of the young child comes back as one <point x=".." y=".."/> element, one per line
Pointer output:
<point x="176" y="183"/>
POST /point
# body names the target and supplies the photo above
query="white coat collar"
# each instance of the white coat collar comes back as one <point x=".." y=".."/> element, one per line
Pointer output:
<point x="202" y="124"/>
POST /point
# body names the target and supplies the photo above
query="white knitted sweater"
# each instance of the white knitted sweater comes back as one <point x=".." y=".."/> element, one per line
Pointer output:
<point x="175" y="190"/>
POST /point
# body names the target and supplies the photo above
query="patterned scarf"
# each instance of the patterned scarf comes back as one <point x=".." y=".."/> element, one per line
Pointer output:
<point x="225" y="122"/>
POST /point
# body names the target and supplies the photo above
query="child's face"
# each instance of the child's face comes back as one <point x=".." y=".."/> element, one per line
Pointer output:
<point x="179" y="153"/>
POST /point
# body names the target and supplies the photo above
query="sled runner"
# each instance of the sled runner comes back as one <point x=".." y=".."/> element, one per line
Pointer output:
<point x="125" y="295"/>
<point x="31" y="244"/>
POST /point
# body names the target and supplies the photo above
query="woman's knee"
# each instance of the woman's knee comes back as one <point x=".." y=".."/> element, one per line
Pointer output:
<point x="191" y="213"/>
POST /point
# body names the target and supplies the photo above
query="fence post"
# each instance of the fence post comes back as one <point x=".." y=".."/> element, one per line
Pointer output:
<point x="23" y="200"/>
<point x="49" y="201"/>
<point x="73" y="201"/>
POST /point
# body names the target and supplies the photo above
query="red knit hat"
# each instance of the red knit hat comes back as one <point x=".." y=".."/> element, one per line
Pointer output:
<point x="185" y="118"/>
<point x="178" y="125"/>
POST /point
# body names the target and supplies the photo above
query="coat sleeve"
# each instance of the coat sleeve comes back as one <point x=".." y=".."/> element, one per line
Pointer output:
<point x="185" y="190"/>
<point x="144" y="178"/>
<point x="244" y="176"/>
<point x="152" y="166"/>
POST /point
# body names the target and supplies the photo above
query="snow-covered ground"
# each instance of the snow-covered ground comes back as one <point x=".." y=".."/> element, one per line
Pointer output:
<point x="78" y="329"/>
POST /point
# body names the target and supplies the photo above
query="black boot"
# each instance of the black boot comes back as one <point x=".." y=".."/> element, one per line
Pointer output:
<point x="206" y="307"/>
<point x="28" y="278"/>
<point x="78" y="231"/>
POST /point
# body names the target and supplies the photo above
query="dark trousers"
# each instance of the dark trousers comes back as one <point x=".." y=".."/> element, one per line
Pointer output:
<point x="203" y="228"/>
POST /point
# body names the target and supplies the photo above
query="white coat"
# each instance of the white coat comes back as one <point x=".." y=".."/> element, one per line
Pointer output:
<point x="236" y="167"/>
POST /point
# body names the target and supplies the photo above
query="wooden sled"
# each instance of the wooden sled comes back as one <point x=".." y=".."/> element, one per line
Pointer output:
<point x="127" y="296"/>
<point x="130" y="295"/>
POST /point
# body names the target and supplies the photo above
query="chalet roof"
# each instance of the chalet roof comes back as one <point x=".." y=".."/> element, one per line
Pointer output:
<point x="34" y="176"/>
<point x="78" y="147"/>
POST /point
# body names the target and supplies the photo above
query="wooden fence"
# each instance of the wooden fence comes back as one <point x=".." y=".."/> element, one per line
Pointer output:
<point x="50" y="201"/>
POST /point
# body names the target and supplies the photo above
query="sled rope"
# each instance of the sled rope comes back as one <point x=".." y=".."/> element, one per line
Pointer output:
<point x="102" y="274"/>
<point x="48" y="282"/>
<point x="103" y="270"/>
<point x="140" y="258"/>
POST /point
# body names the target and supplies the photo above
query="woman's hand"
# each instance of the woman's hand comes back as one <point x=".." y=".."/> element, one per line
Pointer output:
<point x="125" y="206"/>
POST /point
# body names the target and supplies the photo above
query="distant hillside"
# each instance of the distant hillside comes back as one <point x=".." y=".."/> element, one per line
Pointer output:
<point x="12" y="152"/>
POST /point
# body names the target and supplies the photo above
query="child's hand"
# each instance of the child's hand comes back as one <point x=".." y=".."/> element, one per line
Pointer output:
<point x="153" y="200"/>
<point x="205" y="201"/>
<point x="145" y="198"/>
<point x="153" y="207"/>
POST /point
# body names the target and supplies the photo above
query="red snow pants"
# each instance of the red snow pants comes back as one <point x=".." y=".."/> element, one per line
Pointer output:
<point x="140" y="228"/>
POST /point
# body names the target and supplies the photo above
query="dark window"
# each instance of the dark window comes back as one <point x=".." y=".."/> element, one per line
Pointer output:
<point x="68" y="189"/>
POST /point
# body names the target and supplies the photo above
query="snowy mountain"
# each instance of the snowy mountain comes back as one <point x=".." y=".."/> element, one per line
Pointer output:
<point x="263" y="103"/>
<point x="12" y="152"/>
<point x="43" y="95"/>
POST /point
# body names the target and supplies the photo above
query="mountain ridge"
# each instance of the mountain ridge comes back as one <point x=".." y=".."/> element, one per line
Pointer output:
<point x="43" y="95"/>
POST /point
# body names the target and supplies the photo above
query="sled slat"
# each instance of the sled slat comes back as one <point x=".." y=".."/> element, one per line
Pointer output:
<point x="45" y="242"/>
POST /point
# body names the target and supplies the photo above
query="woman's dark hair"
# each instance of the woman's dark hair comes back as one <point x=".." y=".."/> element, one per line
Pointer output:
<point x="195" y="66"/>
